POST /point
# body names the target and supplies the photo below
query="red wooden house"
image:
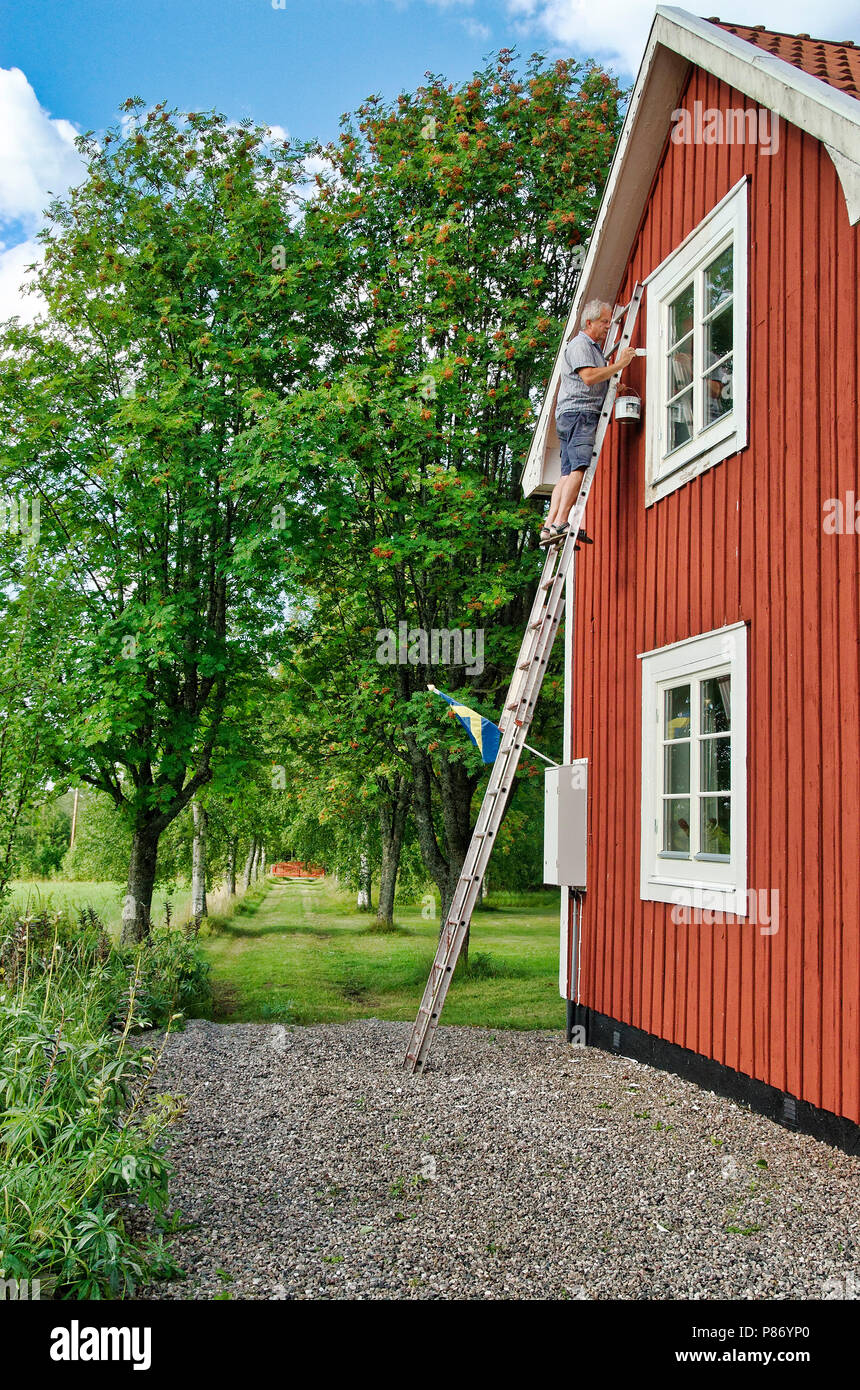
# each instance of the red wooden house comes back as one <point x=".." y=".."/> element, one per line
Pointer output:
<point x="712" y="671"/>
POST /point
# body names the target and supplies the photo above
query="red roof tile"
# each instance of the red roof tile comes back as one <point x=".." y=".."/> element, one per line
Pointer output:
<point x="836" y="63"/>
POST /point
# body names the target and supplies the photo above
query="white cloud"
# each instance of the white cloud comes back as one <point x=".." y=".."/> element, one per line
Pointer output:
<point x="37" y="160"/>
<point x="13" y="263"/>
<point x="616" y="31"/>
<point x="37" y="152"/>
<point x="475" y="29"/>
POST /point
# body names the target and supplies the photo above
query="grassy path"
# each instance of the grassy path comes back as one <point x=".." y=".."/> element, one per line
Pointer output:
<point x="298" y="952"/>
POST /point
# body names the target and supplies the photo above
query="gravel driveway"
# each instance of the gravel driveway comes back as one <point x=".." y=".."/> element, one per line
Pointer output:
<point x="516" y="1168"/>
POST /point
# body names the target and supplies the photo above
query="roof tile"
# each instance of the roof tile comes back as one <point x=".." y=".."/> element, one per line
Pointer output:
<point x="836" y="63"/>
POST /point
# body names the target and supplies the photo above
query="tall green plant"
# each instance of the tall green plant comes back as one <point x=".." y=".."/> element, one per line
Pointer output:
<point x="81" y="1134"/>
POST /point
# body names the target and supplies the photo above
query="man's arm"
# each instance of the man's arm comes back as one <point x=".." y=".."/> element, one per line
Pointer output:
<point x="592" y="375"/>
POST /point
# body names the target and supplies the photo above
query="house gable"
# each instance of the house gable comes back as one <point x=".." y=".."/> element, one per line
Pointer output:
<point x="678" y="41"/>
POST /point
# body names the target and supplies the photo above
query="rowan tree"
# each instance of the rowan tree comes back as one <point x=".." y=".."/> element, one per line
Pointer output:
<point x="451" y="220"/>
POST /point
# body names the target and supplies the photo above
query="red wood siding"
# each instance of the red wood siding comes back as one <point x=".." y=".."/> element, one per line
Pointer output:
<point x="742" y="542"/>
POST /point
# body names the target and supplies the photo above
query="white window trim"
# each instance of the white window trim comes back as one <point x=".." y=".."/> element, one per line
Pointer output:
<point x="694" y="883"/>
<point x="727" y="221"/>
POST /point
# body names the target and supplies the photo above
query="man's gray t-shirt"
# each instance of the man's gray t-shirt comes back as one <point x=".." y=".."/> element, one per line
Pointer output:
<point x="573" y="394"/>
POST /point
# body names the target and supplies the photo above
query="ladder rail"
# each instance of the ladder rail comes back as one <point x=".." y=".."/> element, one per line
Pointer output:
<point x="535" y="650"/>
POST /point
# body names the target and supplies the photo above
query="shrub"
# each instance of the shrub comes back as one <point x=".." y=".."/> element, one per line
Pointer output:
<point x="81" y="1134"/>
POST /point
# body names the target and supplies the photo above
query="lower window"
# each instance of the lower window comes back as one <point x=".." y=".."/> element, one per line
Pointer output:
<point x="693" y="843"/>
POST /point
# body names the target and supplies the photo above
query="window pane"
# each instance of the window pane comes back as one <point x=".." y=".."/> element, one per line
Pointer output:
<point x="719" y="281"/>
<point x="676" y="712"/>
<point x="680" y="420"/>
<point x="716" y="765"/>
<point x="716" y="825"/>
<point x="681" y="314"/>
<point x="718" y="392"/>
<point x="719" y="335"/>
<point x="676" y="771"/>
<point x="716" y="704"/>
<point x="676" y="825"/>
<point x="680" y="368"/>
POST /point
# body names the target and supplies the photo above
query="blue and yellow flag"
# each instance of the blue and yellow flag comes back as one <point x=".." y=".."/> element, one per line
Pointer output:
<point x="485" y="735"/>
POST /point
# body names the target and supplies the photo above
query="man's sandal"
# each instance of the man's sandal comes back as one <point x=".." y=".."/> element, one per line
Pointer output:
<point x="552" y="533"/>
<point x="556" y="533"/>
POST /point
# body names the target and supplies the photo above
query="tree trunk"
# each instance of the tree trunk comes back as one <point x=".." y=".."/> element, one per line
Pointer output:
<point x="456" y="788"/>
<point x="422" y="812"/>
<point x="393" y="810"/>
<point x="198" y="862"/>
<point x="364" y="884"/>
<point x="137" y="907"/>
<point x="249" y="865"/>
<point x="263" y="861"/>
<point x="231" y="866"/>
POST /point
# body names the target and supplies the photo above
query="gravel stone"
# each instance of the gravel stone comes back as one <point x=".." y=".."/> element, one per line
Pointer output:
<point x="516" y="1167"/>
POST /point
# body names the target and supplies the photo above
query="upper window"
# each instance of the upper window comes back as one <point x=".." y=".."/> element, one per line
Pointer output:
<point x="696" y="387"/>
<point x="693" y="769"/>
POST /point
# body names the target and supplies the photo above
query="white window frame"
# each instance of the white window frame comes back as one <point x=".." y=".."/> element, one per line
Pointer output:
<point x="698" y="883"/>
<point x="726" y="224"/>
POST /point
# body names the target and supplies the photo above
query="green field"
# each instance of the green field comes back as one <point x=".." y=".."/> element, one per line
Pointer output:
<point x="106" y="898"/>
<point x="299" y="952"/>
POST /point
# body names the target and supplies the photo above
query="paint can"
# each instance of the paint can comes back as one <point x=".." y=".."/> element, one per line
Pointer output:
<point x="628" y="407"/>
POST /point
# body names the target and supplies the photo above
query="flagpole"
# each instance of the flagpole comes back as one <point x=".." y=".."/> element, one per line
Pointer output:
<point x="540" y="755"/>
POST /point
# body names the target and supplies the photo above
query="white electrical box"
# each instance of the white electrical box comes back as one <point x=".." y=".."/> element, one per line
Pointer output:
<point x="565" y="826"/>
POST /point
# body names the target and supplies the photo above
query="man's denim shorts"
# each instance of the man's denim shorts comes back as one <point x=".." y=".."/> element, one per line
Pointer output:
<point x="576" y="431"/>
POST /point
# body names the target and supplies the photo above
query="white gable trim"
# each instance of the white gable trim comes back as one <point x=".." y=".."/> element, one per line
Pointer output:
<point x="849" y="176"/>
<point x="678" y="39"/>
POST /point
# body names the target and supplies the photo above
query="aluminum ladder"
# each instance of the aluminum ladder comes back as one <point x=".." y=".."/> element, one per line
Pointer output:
<point x="516" y="719"/>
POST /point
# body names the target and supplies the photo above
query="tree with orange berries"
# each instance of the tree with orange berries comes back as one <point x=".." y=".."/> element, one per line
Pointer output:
<point x="451" y="222"/>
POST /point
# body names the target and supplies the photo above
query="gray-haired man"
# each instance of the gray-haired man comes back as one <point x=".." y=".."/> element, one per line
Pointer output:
<point x="585" y="377"/>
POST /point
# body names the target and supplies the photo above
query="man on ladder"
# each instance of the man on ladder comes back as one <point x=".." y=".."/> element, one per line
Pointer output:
<point x="585" y="377"/>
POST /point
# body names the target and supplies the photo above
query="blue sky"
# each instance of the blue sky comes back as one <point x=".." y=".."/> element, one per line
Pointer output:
<point x="298" y="67"/>
<point x="66" y="65"/>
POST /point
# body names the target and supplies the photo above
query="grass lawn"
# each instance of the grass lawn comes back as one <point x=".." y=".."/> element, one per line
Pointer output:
<point x="106" y="898"/>
<point x="299" y="952"/>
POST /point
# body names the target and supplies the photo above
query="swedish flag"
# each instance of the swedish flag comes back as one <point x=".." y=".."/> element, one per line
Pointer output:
<point x="485" y="735"/>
